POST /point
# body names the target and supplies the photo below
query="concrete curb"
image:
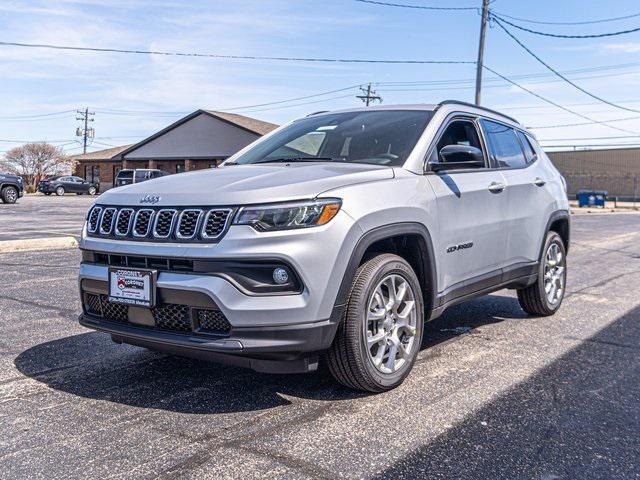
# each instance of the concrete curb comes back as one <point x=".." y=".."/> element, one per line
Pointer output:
<point x="34" y="244"/>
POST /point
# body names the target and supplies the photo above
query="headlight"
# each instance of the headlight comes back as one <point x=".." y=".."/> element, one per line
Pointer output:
<point x="287" y="216"/>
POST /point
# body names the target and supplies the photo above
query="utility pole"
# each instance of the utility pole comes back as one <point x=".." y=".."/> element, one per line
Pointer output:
<point x="85" y="116"/>
<point x="369" y="95"/>
<point x="483" y="30"/>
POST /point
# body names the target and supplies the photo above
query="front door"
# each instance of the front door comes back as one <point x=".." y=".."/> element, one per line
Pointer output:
<point x="471" y="204"/>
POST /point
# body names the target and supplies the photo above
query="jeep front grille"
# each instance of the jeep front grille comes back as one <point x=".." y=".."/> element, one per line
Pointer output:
<point x="123" y="223"/>
<point x="94" y="219"/>
<point x="142" y="222"/>
<point x="188" y="223"/>
<point x="171" y="317"/>
<point x="159" y="224"/>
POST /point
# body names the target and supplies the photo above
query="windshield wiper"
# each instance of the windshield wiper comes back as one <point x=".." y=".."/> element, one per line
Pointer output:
<point x="295" y="159"/>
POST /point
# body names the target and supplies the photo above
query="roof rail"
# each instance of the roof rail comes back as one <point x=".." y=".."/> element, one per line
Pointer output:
<point x="317" y="113"/>
<point x="466" y="104"/>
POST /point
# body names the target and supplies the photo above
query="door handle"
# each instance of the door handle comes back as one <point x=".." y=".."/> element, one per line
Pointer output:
<point x="496" y="187"/>
<point x="538" y="182"/>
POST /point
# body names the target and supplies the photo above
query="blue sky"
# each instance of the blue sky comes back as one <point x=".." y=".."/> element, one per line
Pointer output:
<point x="136" y="95"/>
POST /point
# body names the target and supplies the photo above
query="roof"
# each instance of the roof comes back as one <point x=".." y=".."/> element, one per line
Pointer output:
<point x="106" y="154"/>
<point x="451" y="104"/>
<point x="248" y="123"/>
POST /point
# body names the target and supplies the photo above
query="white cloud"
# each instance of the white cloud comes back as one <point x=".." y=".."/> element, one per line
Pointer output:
<point x="629" y="47"/>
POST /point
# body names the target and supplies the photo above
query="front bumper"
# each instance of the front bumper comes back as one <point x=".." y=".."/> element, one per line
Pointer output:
<point x="288" y="349"/>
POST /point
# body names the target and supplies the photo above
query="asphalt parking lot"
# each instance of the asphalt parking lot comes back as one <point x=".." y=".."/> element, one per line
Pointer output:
<point x="494" y="394"/>
<point x="40" y="216"/>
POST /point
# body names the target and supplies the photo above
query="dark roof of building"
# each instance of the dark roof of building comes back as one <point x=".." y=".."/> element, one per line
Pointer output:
<point x="106" y="154"/>
<point x="252" y="124"/>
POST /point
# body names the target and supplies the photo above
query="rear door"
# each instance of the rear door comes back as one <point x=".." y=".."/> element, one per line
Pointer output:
<point x="529" y="202"/>
<point x="471" y="205"/>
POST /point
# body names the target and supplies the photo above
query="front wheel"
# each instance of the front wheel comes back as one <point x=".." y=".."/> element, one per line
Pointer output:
<point x="9" y="195"/>
<point x="60" y="191"/>
<point x="380" y="333"/>
<point x="544" y="297"/>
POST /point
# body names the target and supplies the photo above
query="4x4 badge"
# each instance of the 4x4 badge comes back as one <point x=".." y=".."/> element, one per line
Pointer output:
<point x="153" y="199"/>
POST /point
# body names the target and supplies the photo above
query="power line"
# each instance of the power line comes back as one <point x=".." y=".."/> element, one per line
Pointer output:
<point x="28" y="117"/>
<point x="550" y="68"/>
<point x="556" y="35"/>
<point x="584" y="22"/>
<point x="417" y="7"/>
<point x="233" y="57"/>
<point x="542" y="127"/>
<point x="551" y="102"/>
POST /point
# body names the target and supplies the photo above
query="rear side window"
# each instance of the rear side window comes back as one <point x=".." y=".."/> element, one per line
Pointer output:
<point x="504" y="145"/>
<point x="529" y="153"/>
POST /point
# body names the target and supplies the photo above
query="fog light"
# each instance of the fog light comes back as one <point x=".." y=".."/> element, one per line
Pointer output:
<point x="280" y="276"/>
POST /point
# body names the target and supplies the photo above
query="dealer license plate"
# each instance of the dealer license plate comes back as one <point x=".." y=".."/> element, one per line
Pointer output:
<point x="132" y="287"/>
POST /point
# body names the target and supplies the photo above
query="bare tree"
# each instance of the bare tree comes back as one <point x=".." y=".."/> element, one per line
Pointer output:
<point x="34" y="161"/>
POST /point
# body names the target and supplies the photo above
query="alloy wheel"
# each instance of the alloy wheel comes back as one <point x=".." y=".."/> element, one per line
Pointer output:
<point x="554" y="274"/>
<point x="11" y="195"/>
<point x="390" y="326"/>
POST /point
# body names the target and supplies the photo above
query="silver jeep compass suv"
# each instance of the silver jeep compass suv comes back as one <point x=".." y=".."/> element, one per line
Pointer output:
<point x="336" y="236"/>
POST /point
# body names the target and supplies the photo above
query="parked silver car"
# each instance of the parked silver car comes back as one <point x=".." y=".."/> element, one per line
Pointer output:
<point x="337" y="235"/>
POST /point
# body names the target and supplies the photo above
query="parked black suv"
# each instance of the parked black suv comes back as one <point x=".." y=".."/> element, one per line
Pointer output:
<point x="67" y="184"/>
<point x="11" y="188"/>
<point x="129" y="176"/>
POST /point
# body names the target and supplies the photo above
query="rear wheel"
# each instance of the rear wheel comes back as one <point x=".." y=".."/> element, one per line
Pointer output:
<point x="9" y="194"/>
<point x="380" y="334"/>
<point x="544" y="297"/>
<point x="60" y="191"/>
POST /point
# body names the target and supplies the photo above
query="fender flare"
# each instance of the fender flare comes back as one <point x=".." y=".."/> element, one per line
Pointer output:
<point x="555" y="216"/>
<point x="389" y="231"/>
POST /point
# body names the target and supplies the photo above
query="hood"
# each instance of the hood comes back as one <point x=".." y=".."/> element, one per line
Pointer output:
<point x="247" y="184"/>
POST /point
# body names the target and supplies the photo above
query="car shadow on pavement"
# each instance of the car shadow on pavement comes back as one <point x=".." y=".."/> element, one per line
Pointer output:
<point x="578" y="417"/>
<point x="90" y="365"/>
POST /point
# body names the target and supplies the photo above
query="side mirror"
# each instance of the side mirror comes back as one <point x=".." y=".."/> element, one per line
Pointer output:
<point x="459" y="157"/>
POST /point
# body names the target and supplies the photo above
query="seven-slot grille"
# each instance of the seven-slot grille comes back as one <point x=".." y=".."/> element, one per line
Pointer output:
<point x="188" y="224"/>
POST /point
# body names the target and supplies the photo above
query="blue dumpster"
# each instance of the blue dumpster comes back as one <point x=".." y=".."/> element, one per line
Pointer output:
<point x="592" y="198"/>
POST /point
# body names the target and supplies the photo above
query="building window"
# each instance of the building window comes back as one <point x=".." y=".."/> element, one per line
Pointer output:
<point x="92" y="173"/>
<point x="179" y="167"/>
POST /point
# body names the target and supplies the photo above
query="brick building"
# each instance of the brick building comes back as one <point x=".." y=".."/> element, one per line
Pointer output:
<point x="616" y="170"/>
<point x="200" y="140"/>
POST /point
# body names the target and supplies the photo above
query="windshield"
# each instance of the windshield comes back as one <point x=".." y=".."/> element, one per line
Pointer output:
<point x="381" y="137"/>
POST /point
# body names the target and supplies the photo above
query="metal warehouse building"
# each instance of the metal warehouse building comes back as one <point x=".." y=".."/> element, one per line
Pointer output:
<point x="200" y="140"/>
<point x="615" y="170"/>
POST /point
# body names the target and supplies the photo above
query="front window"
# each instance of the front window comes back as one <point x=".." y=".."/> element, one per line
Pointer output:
<point x="381" y="137"/>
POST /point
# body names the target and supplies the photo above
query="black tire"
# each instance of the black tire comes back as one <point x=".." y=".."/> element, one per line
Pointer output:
<point x="92" y="191"/>
<point x="349" y="359"/>
<point x="9" y="194"/>
<point x="533" y="299"/>
<point x="60" y="191"/>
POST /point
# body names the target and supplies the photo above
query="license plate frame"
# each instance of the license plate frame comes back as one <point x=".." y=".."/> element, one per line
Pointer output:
<point x="135" y="287"/>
